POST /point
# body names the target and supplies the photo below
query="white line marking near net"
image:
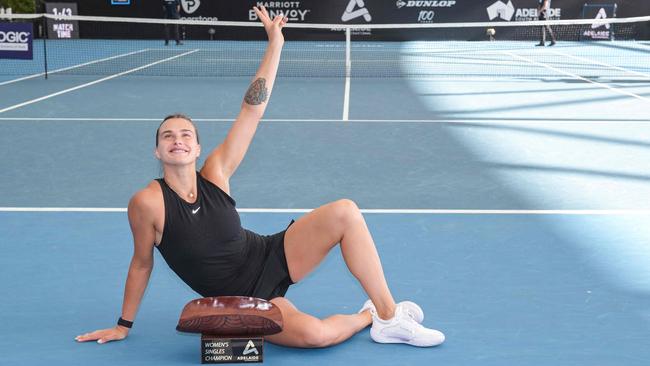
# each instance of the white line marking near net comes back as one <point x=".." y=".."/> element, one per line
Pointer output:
<point x="294" y="120"/>
<point x="575" y="76"/>
<point x="348" y="72"/>
<point x="72" y="67"/>
<point x="365" y="211"/>
<point x="643" y="75"/>
<point x="16" y="106"/>
<point x="62" y="209"/>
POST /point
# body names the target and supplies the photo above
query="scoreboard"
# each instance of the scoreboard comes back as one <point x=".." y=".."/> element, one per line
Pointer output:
<point x="61" y="28"/>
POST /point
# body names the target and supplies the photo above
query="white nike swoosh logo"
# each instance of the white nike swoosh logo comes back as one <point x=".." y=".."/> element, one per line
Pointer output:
<point x="195" y="211"/>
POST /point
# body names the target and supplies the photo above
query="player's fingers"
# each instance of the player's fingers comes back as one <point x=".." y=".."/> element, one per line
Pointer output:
<point x="110" y="337"/>
<point x="258" y="12"/>
<point x="263" y="18"/>
<point x="87" y="337"/>
<point x="265" y="12"/>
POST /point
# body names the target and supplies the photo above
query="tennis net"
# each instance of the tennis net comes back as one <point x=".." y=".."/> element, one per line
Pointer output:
<point x="135" y="47"/>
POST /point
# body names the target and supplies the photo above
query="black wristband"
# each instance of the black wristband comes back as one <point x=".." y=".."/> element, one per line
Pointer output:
<point x="124" y="323"/>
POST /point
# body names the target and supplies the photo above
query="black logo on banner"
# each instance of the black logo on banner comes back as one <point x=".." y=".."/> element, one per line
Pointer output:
<point x="600" y="29"/>
<point x="506" y="11"/>
<point x="250" y="348"/>
<point x="289" y="9"/>
<point x="426" y="15"/>
<point x="501" y="10"/>
<point x="352" y="13"/>
<point x="190" y="6"/>
<point x="425" y="3"/>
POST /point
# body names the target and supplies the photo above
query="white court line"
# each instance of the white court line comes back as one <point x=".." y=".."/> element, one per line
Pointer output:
<point x="624" y="92"/>
<point x="62" y="209"/>
<point x="16" y="106"/>
<point x="348" y="72"/>
<point x="602" y="64"/>
<point x="294" y="120"/>
<point x="346" y="100"/>
<point x="365" y="211"/>
<point x="72" y="67"/>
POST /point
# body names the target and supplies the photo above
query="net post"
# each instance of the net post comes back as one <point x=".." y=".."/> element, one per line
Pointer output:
<point x="45" y="46"/>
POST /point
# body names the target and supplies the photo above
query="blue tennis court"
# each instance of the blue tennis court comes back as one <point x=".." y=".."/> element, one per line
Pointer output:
<point x="506" y="187"/>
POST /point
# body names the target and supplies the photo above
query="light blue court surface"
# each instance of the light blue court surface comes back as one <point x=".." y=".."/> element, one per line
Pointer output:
<point x="483" y="142"/>
<point x="505" y="289"/>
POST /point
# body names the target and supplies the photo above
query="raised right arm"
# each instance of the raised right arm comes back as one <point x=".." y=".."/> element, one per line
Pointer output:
<point x="141" y="219"/>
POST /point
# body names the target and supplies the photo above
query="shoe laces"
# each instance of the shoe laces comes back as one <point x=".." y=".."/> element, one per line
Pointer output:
<point x="407" y="317"/>
<point x="399" y="309"/>
<point x="409" y="313"/>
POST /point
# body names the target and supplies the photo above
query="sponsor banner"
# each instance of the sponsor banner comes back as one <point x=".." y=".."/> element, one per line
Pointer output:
<point x="294" y="10"/>
<point x="16" y="40"/>
<point x="331" y="11"/>
<point x="376" y="11"/>
<point x="421" y="11"/>
<point x="60" y="28"/>
<point x="599" y="30"/>
<point x="358" y="12"/>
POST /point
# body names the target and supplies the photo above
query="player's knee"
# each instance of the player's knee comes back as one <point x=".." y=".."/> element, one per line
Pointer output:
<point x="347" y="210"/>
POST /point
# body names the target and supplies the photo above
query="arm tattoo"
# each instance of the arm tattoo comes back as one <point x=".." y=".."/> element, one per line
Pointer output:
<point x="257" y="92"/>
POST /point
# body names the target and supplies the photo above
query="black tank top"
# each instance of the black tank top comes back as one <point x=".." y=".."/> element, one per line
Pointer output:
<point x="205" y="245"/>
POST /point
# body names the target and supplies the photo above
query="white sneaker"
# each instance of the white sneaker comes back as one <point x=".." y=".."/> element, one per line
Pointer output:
<point x="412" y="309"/>
<point x="403" y="329"/>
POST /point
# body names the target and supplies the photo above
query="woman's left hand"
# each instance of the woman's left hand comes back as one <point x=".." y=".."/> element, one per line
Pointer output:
<point x="273" y="27"/>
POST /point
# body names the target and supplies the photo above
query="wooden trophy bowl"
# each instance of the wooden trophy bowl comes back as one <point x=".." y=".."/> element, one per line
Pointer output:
<point x="236" y="316"/>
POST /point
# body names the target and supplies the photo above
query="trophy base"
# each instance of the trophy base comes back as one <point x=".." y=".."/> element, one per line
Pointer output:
<point x="224" y="349"/>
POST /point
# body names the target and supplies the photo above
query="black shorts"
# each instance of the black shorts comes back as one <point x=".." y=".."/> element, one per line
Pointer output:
<point x="274" y="280"/>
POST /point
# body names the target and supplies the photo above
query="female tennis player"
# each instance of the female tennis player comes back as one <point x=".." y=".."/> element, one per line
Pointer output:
<point x="191" y="218"/>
